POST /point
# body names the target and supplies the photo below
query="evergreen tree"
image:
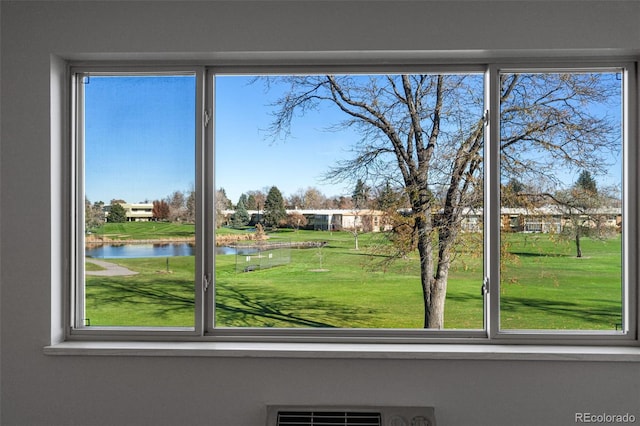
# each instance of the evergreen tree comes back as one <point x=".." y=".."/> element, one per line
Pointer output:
<point x="360" y="195"/>
<point x="243" y="199"/>
<point x="117" y="214"/>
<point x="515" y="185"/>
<point x="510" y="194"/>
<point x="240" y="217"/>
<point x="274" y="210"/>
<point x="251" y="203"/>
<point x="586" y="182"/>
<point x="387" y="198"/>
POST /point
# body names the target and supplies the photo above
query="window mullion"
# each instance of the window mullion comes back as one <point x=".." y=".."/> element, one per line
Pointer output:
<point x="202" y="242"/>
<point x="77" y="199"/>
<point x="492" y="201"/>
<point x="208" y="198"/>
<point x="630" y="299"/>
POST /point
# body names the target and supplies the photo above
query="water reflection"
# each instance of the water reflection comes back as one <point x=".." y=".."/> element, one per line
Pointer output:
<point x="155" y="250"/>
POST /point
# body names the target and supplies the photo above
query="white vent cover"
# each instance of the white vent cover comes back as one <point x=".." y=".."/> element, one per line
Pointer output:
<point x="296" y="415"/>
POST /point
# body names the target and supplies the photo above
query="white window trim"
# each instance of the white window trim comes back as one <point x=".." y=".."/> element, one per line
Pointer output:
<point x="630" y="301"/>
<point x="393" y="351"/>
<point x="203" y="171"/>
<point x="490" y="343"/>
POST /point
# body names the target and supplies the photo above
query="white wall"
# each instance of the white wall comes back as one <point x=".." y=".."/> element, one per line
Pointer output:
<point x="45" y="390"/>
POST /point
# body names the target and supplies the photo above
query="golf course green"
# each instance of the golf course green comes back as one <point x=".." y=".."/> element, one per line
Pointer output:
<point x="544" y="286"/>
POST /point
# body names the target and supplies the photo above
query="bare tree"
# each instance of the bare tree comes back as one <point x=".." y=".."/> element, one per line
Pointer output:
<point x="161" y="210"/>
<point x="177" y="206"/>
<point x="427" y="132"/>
<point x="222" y="203"/>
<point x="341" y="202"/>
<point x="586" y="211"/>
<point x="94" y="214"/>
<point x="296" y="200"/>
<point x="295" y="220"/>
<point x="313" y="198"/>
<point x="310" y="198"/>
<point x="191" y="206"/>
<point x="580" y="208"/>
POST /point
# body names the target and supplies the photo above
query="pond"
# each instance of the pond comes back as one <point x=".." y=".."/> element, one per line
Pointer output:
<point x="155" y="250"/>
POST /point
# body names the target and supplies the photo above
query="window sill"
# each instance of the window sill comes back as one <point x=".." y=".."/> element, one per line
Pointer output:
<point x="347" y="350"/>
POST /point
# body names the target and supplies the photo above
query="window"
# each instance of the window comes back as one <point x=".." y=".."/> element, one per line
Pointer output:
<point x="135" y="199"/>
<point x="561" y="170"/>
<point x="320" y="145"/>
<point x="482" y="203"/>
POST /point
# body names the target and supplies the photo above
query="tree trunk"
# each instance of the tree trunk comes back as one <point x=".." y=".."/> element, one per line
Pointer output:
<point x="446" y="238"/>
<point x="425" y="250"/>
<point x="438" y="296"/>
<point x="578" y="248"/>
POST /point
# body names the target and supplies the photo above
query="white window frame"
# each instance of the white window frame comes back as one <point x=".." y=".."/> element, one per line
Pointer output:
<point x="629" y="279"/>
<point x="77" y="328"/>
<point x="205" y="330"/>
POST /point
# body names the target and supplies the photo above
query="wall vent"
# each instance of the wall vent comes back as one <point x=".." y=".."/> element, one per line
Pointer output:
<point x="296" y="415"/>
<point x="317" y="418"/>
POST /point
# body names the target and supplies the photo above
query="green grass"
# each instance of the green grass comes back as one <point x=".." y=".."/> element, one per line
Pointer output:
<point x="88" y="266"/>
<point x="328" y="287"/>
<point x="547" y="287"/>
<point x="544" y="287"/>
<point x="154" y="297"/>
<point x="145" y="230"/>
<point x="337" y="286"/>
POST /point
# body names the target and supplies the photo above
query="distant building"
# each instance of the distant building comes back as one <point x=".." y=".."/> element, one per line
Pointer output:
<point x="332" y="219"/>
<point x="337" y="220"/>
<point x="135" y="212"/>
<point x="544" y="219"/>
<point x="552" y="218"/>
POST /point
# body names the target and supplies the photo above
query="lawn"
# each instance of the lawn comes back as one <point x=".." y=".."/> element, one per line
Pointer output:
<point x="338" y="286"/>
<point x="145" y="230"/>
<point x="544" y="286"/>
<point x="157" y="296"/>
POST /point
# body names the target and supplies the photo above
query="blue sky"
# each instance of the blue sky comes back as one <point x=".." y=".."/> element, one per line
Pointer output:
<point x="140" y="140"/>
<point x="248" y="159"/>
<point x="140" y="137"/>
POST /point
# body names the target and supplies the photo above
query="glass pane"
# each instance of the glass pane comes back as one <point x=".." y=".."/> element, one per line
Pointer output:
<point x="139" y="202"/>
<point x="330" y="191"/>
<point x="561" y="203"/>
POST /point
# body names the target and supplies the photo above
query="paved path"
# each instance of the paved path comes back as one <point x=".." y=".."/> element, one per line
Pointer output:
<point x="110" y="269"/>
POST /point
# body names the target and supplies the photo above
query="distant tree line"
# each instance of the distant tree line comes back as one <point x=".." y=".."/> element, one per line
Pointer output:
<point x="272" y="204"/>
<point x="179" y="206"/>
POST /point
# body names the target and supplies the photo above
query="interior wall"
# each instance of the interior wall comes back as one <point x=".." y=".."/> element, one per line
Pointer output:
<point x="36" y="38"/>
